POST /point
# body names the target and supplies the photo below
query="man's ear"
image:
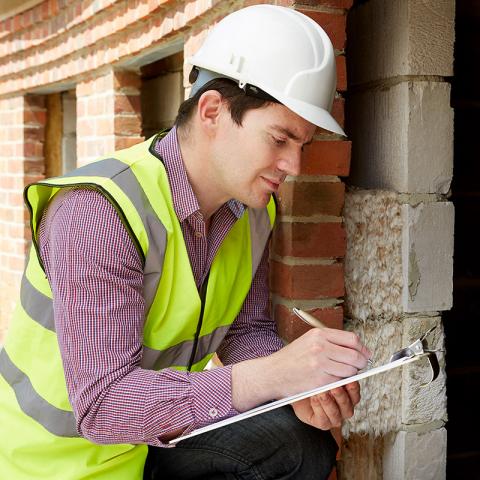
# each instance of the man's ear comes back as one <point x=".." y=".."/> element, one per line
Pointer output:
<point x="209" y="108"/>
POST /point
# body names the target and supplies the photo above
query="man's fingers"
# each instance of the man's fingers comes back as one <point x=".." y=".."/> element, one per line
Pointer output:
<point x="320" y="418"/>
<point x="353" y="390"/>
<point x="347" y="356"/>
<point x="344" y="402"/>
<point x="347" y="339"/>
<point x="327" y="403"/>
<point x="311" y="412"/>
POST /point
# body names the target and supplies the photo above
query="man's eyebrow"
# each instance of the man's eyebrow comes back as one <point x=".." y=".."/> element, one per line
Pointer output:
<point x="290" y="134"/>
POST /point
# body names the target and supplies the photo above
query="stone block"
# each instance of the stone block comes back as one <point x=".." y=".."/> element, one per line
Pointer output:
<point x="400" y="37"/>
<point x="415" y="456"/>
<point x="427" y="256"/>
<point x="396" y="399"/>
<point x="423" y="404"/>
<point x="406" y="143"/>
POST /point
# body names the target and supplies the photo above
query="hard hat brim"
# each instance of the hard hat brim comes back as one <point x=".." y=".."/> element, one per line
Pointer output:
<point x="313" y="114"/>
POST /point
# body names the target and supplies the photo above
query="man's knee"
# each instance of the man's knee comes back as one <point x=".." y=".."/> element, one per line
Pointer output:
<point x="315" y="449"/>
<point x="297" y="450"/>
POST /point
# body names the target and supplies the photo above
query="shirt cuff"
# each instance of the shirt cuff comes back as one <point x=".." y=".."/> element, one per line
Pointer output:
<point x="212" y="397"/>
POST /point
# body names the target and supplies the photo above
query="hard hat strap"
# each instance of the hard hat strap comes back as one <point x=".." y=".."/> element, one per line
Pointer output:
<point x="200" y="78"/>
<point x="253" y="91"/>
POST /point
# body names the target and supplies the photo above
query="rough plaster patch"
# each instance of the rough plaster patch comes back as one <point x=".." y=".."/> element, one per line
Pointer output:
<point x="373" y="262"/>
<point x="380" y="407"/>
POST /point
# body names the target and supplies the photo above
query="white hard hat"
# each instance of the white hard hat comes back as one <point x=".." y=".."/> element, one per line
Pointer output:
<point x="279" y="50"/>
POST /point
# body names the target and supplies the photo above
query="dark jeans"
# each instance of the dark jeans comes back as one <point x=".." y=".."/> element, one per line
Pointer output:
<point x="274" y="445"/>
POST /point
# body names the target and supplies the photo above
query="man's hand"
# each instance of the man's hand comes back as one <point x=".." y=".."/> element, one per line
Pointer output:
<point x="318" y="357"/>
<point x="328" y="410"/>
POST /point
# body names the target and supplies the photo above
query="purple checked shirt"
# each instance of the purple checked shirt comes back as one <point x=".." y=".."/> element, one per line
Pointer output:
<point x="96" y="277"/>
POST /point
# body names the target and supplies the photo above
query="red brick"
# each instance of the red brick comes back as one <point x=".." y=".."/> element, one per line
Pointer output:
<point x="7" y="183"/>
<point x="85" y="127"/>
<point x="327" y="157"/>
<point x="291" y="327"/>
<point x="33" y="133"/>
<point x="307" y="281"/>
<point x="130" y="125"/>
<point x="16" y="263"/>
<point x="341" y="73"/>
<point x="103" y="126"/>
<point x="126" y="79"/>
<point x="126" y="142"/>
<point x="35" y="117"/>
<point x="326" y="3"/>
<point x="311" y="198"/>
<point x="17" y="23"/>
<point x="35" y="101"/>
<point x="28" y="179"/>
<point x="338" y="111"/>
<point x="334" y="25"/>
<point x="127" y="104"/>
<point x="327" y="240"/>
<point x="96" y="106"/>
<point x="15" y="198"/>
<point x="7" y="214"/>
<point x="33" y="149"/>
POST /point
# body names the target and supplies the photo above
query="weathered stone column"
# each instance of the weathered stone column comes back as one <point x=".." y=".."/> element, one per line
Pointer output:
<point x="398" y="267"/>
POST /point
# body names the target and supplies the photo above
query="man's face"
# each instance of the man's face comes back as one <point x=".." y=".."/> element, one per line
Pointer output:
<point x="252" y="160"/>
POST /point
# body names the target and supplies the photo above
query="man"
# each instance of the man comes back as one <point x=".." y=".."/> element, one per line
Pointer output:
<point x="147" y="262"/>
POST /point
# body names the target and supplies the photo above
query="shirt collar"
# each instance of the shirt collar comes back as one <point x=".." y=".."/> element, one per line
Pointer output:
<point x="184" y="200"/>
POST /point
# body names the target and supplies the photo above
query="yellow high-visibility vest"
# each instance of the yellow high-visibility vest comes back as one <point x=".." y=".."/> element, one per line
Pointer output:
<point x="37" y="425"/>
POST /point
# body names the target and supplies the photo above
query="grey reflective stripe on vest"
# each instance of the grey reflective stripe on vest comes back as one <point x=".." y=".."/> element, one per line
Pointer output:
<point x="179" y="355"/>
<point x="260" y="229"/>
<point x="123" y="177"/>
<point x="38" y="306"/>
<point x="56" y="421"/>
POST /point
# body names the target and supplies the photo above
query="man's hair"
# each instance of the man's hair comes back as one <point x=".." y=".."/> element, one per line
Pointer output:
<point x="238" y="101"/>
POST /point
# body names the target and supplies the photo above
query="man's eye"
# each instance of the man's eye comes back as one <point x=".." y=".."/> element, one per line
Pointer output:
<point x="279" y="141"/>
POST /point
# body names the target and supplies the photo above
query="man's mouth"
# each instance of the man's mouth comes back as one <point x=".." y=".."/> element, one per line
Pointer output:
<point x="272" y="184"/>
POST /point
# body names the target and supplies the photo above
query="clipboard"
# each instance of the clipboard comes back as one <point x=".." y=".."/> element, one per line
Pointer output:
<point x="418" y="349"/>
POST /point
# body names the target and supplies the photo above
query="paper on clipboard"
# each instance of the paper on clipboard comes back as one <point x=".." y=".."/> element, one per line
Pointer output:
<point x="299" y="396"/>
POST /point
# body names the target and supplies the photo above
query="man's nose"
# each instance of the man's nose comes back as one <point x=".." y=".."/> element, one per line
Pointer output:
<point x="291" y="163"/>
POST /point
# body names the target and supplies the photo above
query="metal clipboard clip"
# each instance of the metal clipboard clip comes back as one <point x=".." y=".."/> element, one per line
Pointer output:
<point x="420" y="348"/>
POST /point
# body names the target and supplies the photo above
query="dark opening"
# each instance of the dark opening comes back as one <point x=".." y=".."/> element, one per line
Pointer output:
<point x="162" y="92"/>
<point x="462" y="323"/>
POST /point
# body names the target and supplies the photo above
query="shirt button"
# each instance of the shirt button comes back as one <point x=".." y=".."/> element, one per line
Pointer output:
<point x="213" y="412"/>
<point x="198" y="234"/>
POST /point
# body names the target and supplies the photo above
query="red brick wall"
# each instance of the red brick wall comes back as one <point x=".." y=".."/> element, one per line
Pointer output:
<point x="108" y="114"/>
<point x="22" y="122"/>
<point x="309" y="242"/>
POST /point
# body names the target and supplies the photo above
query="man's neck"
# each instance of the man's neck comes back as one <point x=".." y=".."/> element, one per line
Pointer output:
<point x="195" y="156"/>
